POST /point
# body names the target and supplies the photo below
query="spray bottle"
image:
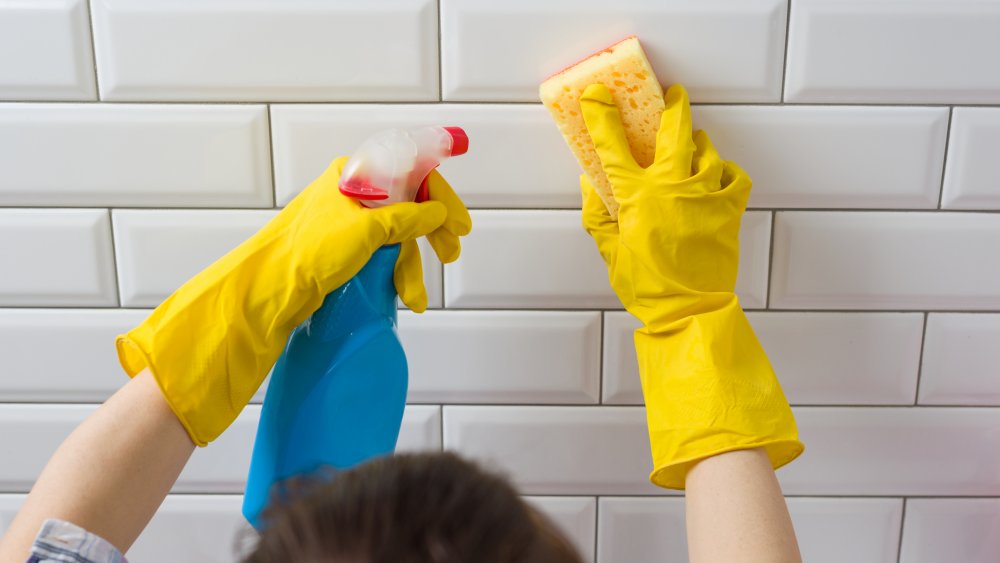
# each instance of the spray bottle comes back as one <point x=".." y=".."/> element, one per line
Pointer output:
<point x="337" y="392"/>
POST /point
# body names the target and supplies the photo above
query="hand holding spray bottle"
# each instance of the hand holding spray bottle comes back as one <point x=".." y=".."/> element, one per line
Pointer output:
<point x="337" y="392"/>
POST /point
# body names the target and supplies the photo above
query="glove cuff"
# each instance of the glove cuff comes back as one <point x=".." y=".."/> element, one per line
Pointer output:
<point x="709" y="388"/>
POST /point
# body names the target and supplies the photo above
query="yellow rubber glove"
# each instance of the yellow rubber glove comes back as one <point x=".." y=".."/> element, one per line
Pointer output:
<point x="212" y="343"/>
<point x="672" y="258"/>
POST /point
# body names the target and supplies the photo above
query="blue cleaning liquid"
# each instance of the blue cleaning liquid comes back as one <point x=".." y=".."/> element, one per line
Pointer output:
<point x="337" y="392"/>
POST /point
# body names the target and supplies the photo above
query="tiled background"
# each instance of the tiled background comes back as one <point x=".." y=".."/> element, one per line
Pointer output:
<point x="141" y="139"/>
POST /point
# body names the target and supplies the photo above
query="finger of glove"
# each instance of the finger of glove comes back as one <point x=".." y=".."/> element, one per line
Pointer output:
<point x="707" y="163"/>
<point x="408" y="277"/>
<point x="598" y="222"/>
<point x="458" y="222"/>
<point x="407" y="221"/>
<point x="736" y="182"/>
<point x="674" y="145"/>
<point x="446" y="245"/>
<point x="604" y="123"/>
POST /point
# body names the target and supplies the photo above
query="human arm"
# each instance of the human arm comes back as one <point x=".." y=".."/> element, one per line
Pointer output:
<point x="736" y="512"/>
<point x="110" y="474"/>
<point x="718" y="421"/>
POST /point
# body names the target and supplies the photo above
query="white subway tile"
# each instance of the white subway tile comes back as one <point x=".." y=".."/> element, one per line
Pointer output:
<point x="502" y="51"/>
<point x="951" y="530"/>
<point x="883" y="260"/>
<point x="502" y="356"/>
<point x="822" y="156"/>
<point x="62" y="355"/>
<point x="47" y="48"/>
<point x="29" y="434"/>
<point x="969" y="181"/>
<point x="134" y="155"/>
<point x="933" y="51"/>
<point x="820" y="358"/>
<point x="158" y="251"/>
<point x="516" y="156"/>
<point x="204" y="528"/>
<point x="575" y="516"/>
<point x="557" y="450"/>
<point x="56" y="257"/>
<point x="896" y="451"/>
<point x="545" y="259"/>
<point x="640" y="530"/>
<point x="961" y="360"/>
<point x="293" y="50"/>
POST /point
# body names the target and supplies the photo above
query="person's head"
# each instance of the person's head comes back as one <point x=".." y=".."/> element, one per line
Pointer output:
<point x="411" y="508"/>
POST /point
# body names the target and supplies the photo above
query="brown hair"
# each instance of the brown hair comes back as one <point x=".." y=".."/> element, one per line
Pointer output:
<point x="411" y="508"/>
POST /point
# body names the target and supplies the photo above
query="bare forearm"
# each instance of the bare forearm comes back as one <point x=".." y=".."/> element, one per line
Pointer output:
<point x="111" y="474"/>
<point x="736" y="512"/>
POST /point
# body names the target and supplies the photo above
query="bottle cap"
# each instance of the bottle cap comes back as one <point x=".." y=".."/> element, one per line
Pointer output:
<point x="459" y="140"/>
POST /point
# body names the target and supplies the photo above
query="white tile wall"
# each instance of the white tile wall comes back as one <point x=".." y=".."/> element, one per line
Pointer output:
<point x="821" y="156"/>
<point x="62" y="355"/>
<point x="820" y="358"/>
<point x="263" y="50"/>
<point x="126" y="170"/>
<point x="974" y="143"/>
<point x="886" y="261"/>
<point x="136" y="155"/>
<point x="502" y="356"/>
<point x="576" y="516"/>
<point x="157" y="251"/>
<point x="951" y="530"/>
<point x="56" y="257"/>
<point x="896" y="451"/>
<point x="652" y="530"/>
<point x="961" y="360"/>
<point x="932" y="51"/>
<point x="503" y="50"/>
<point x="47" y="53"/>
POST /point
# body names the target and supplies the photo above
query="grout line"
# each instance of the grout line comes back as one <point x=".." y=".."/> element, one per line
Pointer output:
<point x="440" y="48"/>
<point x="945" y="159"/>
<point x="495" y="102"/>
<point x="114" y="262"/>
<point x="553" y="310"/>
<point x="649" y="495"/>
<point x="597" y="527"/>
<point x="992" y="408"/>
<point x="441" y="426"/>
<point x="270" y="152"/>
<point x="920" y="359"/>
<point x="530" y="210"/>
<point x="902" y="522"/>
<point x="93" y="48"/>
<point x="770" y="260"/>
<point x="600" y="364"/>
<point x="784" y="61"/>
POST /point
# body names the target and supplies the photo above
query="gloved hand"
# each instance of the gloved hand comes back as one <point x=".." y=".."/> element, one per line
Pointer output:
<point x="210" y="344"/>
<point x="672" y="259"/>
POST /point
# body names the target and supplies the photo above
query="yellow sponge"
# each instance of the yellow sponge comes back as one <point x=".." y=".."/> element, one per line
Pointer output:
<point x="624" y="69"/>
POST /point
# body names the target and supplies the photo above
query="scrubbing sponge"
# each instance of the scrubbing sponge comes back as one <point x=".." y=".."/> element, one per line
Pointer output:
<point x="624" y="69"/>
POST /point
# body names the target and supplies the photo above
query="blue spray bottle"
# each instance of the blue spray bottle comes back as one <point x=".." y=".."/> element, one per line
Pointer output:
<point x="337" y="392"/>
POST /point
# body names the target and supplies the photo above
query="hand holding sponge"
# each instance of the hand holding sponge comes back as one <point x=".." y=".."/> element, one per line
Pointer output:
<point x="672" y="256"/>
